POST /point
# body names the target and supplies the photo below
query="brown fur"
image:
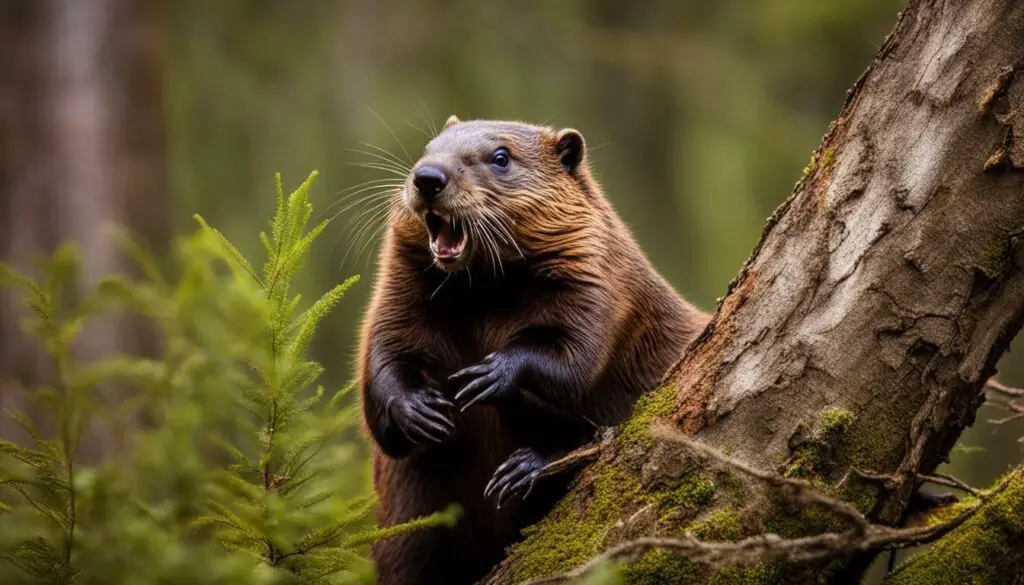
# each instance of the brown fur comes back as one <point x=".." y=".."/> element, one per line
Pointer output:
<point x="575" y="280"/>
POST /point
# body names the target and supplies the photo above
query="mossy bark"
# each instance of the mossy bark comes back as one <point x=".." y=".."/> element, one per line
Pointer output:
<point x="880" y="297"/>
<point x="987" y="550"/>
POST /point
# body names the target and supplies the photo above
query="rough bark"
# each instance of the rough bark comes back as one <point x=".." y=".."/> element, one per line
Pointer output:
<point x="83" y="148"/>
<point x="857" y="336"/>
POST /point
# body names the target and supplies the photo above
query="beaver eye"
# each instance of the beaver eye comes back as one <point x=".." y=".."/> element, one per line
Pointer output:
<point x="501" y="159"/>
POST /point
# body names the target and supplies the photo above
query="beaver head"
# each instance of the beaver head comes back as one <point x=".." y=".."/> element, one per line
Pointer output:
<point x="493" y="192"/>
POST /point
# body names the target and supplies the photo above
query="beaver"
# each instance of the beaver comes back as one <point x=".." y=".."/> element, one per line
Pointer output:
<point x="512" y="313"/>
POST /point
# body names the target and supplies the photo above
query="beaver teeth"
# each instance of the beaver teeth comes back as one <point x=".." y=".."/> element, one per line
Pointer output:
<point x="447" y="239"/>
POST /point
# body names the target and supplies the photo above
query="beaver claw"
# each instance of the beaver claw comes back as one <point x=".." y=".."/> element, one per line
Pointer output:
<point x="520" y="471"/>
<point x="492" y="378"/>
<point x="421" y="416"/>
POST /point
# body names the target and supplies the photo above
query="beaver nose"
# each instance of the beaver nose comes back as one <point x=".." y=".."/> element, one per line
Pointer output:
<point x="429" y="181"/>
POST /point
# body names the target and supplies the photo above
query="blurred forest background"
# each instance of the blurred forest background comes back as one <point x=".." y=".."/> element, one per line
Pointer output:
<point x="700" y="117"/>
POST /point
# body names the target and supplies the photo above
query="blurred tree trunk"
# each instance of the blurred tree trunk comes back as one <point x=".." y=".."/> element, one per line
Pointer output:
<point x="83" y="147"/>
<point x="858" y="335"/>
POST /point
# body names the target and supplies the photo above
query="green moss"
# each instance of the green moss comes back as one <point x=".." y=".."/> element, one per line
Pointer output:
<point x="574" y="530"/>
<point x="834" y="422"/>
<point x="823" y="161"/>
<point x="815" y="456"/>
<point x="828" y="158"/>
<point x="755" y="575"/>
<point x="811" y="164"/>
<point x="947" y="513"/>
<point x="806" y="521"/>
<point x="804" y="462"/>
<point x="993" y="262"/>
<point x="863" y="495"/>
<point x="656" y="404"/>
<point x="660" y="568"/>
<point x="719" y="526"/>
<point x="985" y="550"/>
<point x="664" y="568"/>
<point x="871" y="446"/>
<point x="694" y="491"/>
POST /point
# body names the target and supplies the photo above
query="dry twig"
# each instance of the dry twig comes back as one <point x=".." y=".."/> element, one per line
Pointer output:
<point x="993" y="384"/>
<point x="893" y="479"/>
<point x="1009" y="405"/>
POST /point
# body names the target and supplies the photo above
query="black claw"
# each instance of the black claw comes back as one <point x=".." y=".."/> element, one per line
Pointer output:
<point x="437" y="418"/>
<point x="423" y="417"/>
<point x="490" y="391"/>
<point x="474" y="386"/>
<point x="533" y="482"/>
<point x="519" y="471"/>
<point x="489" y="486"/>
<point x="423" y="429"/>
<point x="470" y="371"/>
<point x="511" y="490"/>
<point x="438" y="400"/>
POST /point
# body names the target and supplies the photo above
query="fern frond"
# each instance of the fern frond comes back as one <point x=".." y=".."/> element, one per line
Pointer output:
<point x="236" y="454"/>
<point x="230" y="253"/>
<point x="138" y="253"/>
<point x="37" y="557"/>
<point x="278" y="223"/>
<point x="35" y="459"/>
<point x="446" y="517"/>
<point x="121" y="368"/>
<point x="62" y="269"/>
<point x="300" y="376"/>
<point x="312" y="317"/>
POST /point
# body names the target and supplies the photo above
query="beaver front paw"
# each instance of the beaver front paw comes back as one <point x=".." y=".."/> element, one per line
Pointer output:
<point x="487" y="381"/>
<point x="517" y="473"/>
<point x="422" y="416"/>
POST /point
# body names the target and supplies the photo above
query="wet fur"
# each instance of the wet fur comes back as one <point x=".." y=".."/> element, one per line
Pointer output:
<point x="574" y="307"/>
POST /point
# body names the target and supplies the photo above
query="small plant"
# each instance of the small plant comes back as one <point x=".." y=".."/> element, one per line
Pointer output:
<point x="233" y="465"/>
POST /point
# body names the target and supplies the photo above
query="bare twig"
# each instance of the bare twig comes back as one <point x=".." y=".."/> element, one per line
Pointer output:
<point x="893" y="479"/>
<point x="862" y="537"/>
<point x="584" y="454"/>
<point x="801" y="490"/>
<point x="1009" y="405"/>
<point x="993" y="384"/>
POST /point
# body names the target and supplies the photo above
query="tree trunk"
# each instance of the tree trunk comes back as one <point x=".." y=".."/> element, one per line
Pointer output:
<point x="83" y="147"/>
<point x="857" y="336"/>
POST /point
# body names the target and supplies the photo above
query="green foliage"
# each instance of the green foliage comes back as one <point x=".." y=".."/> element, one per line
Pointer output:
<point x="229" y="465"/>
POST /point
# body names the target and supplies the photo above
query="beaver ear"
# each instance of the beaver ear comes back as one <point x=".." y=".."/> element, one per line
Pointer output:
<point x="570" y="149"/>
<point x="451" y="121"/>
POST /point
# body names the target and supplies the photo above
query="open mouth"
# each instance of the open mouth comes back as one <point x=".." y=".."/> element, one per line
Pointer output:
<point x="447" y="240"/>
